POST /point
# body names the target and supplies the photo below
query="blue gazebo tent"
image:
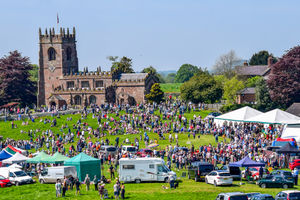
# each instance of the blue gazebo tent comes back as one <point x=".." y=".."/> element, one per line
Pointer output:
<point x="4" y="155"/>
<point x="246" y="162"/>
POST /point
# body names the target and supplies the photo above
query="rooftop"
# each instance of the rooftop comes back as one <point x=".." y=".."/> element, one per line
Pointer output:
<point x="253" y="70"/>
<point x="250" y="90"/>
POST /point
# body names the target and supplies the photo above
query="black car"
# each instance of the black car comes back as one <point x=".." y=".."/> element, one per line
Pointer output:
<point x="282" y="173"/>
<point x="235" y="172"/>
<point x="263" y="197"/>
<point x="198" y="170"/>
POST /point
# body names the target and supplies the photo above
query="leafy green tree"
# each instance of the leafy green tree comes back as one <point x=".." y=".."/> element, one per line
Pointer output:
<point x="261" y="58"/>
<point x="231" y="87"/>
<point x="201" y="88"/>
<point x="34" y="73"/>
<point x="263" y="100"/>
<point x="156" y="94"/>
<point x="185" y="72"/>
<point x="15" y="80"/>
<point x="170" y="78"/>
<point x="151" y="70"/>
<point x="124" y="65"/>
<point x="220" y="79"/>
<point x="252" y="82"/>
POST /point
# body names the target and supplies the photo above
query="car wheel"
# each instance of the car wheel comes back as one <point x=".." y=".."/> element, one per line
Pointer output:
<point x="42" y="181"/>
<point x="263" y="185"/>
<point x="137" y="180"/>
<point x="215" y="184"/>
<point x="17" y="183"/>
<point x="285" y="186"/>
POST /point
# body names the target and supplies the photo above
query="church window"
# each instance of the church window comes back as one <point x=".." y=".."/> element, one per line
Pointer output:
<point x="70" y="84"/>
<point x="99" y="84"/>
<point x="77" y="100"/>
<point x="51" y="54"/>
<point x="85" y="84"/>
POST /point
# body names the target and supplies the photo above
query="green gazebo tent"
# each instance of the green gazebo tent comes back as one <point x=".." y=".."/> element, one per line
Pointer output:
<point x="57" y="158"/>
<point x="42" y="157"/>
<point x="85" y="165"/>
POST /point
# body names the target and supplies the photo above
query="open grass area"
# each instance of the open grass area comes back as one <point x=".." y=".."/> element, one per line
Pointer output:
<point x="170" y="87"/>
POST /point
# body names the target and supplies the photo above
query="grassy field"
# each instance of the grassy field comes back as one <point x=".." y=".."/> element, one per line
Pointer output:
<point x="170" y="87"/>
<point x="188" y="189"/>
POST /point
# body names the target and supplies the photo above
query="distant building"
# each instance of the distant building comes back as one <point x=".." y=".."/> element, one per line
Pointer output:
<point x="246" y="95"/>
<point x="248" y="71"/>
<point x="60" y="82"/>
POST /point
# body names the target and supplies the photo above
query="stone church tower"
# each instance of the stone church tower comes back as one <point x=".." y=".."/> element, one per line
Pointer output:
<point x="57" y="57"/>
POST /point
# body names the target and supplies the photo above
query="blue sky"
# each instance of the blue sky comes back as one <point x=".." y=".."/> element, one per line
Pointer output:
<point x="161" y="33"/>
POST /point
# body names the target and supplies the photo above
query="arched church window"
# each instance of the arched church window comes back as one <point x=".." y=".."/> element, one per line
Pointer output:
<point x="77" y="100"/>
<point x="69" y="53"/>
<point x="51" y="54"/>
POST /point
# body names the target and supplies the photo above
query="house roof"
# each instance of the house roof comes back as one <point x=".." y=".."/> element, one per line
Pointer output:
<point x="253" y="70"/>
<point x="294" y="109"/>
<point x="133" y="76"/>
<point x="250" y="90"/>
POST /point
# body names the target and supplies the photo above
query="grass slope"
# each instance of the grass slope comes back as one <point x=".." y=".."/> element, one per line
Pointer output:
<point x="170" y="87"/>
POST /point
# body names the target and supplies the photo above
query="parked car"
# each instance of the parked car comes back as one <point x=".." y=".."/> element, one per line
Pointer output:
<point x="288" y="195"/>
<point x="16" y="176"/>
<point x="144" y="152"/>
<point x="219" y="177"/>
<point x="252" y="194"/>
<point x="274" y="182"/>
<point x="129" y="149"/>
<point x="282" y="173"/>
<point x="295" y="163"/>
<point x="4" y="182"/>
<point x="232" y="196"/>
<point x="255" y="172"/>
<point x="235" y="172"/>
<point x="263" y="197"/>
<point x="198" y="170"/>
<point x="108" y="150"/>
<point x="51" y="174"/>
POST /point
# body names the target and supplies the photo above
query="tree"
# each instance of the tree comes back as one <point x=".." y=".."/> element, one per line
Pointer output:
<point x="156" y="94"/>
<point x="284" y="82"/>
<point x="252" y="82"/>
<point x="201" y="88"/>
<point x="261" y="58"/>
<point x="225" y="64"/>
<point x="185" y="72"/>
<point x="170" y="78"/>
<point x="34" y="73"/>
<point x="151" y="70"/>
<point x="231" y="87"/>
<point x="124" y="65"/>
<point x="262" y="95"/>
<point x="15" y="80"/>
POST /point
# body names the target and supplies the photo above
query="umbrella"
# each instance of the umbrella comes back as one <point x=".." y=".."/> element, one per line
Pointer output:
<point x="153" y="145"/>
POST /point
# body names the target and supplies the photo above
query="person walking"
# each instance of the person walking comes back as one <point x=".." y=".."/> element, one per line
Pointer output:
<point x="87" y="182"/>
<point x="295" y="175"/>
<point x="122" y="191"/>
<point x="261" y="172"/>
<point x="95" y="180"/>
<point x="171" y="181"/>
<point x="64" y="187"/>
<point x="77" y="185"/>
<point x="112" y="172"/>
<point x="58" y="188"/>
<point x="116" y="191"/>
<point x="101" y="190"/>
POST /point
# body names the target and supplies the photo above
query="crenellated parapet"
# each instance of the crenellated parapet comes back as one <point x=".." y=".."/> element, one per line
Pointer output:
<point x="87" y="74"/>
<point x="63" y="36"/>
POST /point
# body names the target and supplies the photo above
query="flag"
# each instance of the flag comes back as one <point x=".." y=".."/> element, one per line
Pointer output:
<point x="57" y="18"/>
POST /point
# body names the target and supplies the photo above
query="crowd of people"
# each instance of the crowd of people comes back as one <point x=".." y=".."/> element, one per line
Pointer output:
<point x="168" y="121"/>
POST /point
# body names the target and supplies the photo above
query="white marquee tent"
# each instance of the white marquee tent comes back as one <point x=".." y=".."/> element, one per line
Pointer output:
<point x="239" y="115"/>
<point x="17" y="158"/>
<point x="275" y="116"/>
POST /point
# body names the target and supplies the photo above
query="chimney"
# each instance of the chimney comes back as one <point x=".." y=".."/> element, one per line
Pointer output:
<point x="245" y="64"/>
<point x="270" y="61"/>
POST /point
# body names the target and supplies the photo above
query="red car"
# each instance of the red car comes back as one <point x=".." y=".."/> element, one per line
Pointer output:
<point x="294" y="164"/>
<point x="4" y="182"/>
<point x="144" y="152"/>
<point x="255" y="172"/>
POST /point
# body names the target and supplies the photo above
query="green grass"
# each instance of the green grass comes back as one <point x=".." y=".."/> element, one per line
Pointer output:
<point x="188" y="189"/>
<point x="170" y="87"/>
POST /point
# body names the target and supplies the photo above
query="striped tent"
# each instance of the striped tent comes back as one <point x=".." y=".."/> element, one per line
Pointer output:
<point x="4" y="155"/>
<point x="10" y="149"/>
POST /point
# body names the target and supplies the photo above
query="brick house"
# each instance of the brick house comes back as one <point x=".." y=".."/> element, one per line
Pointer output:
<point x="60" y="82"/>
<point x="246" y="95"/>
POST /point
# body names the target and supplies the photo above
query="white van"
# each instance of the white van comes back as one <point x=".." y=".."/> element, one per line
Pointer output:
<point x="51" y="174"/>
<point x="129" y="149"/>
<point x="144" y="169"/>
<point x="15" y="175"/>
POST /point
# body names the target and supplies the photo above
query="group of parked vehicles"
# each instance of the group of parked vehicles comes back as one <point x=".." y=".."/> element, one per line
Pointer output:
<point x="283" y="195"/>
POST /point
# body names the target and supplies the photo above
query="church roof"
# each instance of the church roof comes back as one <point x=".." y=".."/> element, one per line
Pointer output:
<point x="253" y="70"/>
<point x="133" y="76"/>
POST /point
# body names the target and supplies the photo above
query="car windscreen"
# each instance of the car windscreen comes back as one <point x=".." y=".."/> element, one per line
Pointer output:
<point x="224" y="174"/>
<point x="131" y="149"/>
<point x="111" y="149"/>
<point x="295" y="195"/>
<point x="20" y="173"/>
<point x="287" y="174"/>
<point x="206" y="168"/>
<point x="240" y="197"/>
